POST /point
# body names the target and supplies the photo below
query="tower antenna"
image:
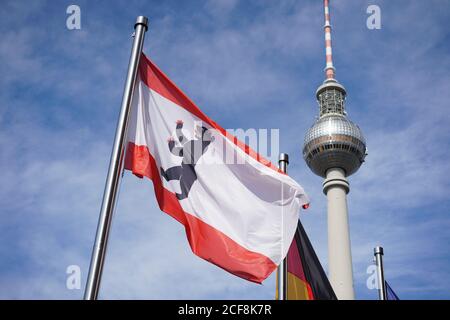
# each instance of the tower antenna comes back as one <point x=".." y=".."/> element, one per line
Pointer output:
<point x="329" y="68"/>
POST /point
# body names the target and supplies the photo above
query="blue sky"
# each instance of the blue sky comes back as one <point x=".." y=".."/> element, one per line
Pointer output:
<point x="248" y="64"/>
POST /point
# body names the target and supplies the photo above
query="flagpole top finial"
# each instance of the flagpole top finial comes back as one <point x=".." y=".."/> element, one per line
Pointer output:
<point x="378" y="250"/>
<point x="284" y="157"/>
<point x="141" y="20"/>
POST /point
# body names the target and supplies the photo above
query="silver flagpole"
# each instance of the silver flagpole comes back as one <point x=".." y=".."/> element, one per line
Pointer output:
<point x="378" y="253"/>
<point x="115" y="166"/>
<point x="283" y="162"/>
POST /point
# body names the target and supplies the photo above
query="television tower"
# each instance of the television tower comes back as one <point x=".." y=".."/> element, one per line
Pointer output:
<point x="334" y="148"/>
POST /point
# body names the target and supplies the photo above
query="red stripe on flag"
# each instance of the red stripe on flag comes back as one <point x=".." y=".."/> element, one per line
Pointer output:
<point x="206" y="241"/>
<point x="295" y="263"/>
<point x="310" y="292"/>
<point x="295" y="266"/>
<point x="156" y="80"/>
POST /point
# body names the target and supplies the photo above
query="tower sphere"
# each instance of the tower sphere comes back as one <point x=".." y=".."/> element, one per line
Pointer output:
<point x="333" y="141"/>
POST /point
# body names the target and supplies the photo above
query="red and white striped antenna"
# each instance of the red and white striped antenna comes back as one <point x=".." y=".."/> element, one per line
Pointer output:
<point x="329" y="69"/>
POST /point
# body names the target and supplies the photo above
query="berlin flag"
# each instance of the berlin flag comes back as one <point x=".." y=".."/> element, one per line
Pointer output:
<point x="239" y="211"/>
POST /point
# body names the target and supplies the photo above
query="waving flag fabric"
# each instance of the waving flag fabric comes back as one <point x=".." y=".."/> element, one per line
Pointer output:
<point x="390" y="294"/>
<point x="239" y="211"/>
<point x="306" y="279"/>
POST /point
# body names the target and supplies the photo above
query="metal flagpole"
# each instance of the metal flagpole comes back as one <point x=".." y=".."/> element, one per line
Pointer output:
<point x="378" y="253"/>
<point x="283" y="161"/>
<point x="115" y="166"/>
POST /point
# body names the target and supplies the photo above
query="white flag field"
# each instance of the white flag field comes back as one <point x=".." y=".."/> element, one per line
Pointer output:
<point x="239" y="211"/>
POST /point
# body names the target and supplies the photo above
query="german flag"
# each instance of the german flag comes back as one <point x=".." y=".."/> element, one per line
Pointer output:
<point x="306" y="277"/>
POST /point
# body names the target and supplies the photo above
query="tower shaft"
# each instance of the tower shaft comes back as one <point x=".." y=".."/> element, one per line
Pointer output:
<point x="340" y="268"/>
